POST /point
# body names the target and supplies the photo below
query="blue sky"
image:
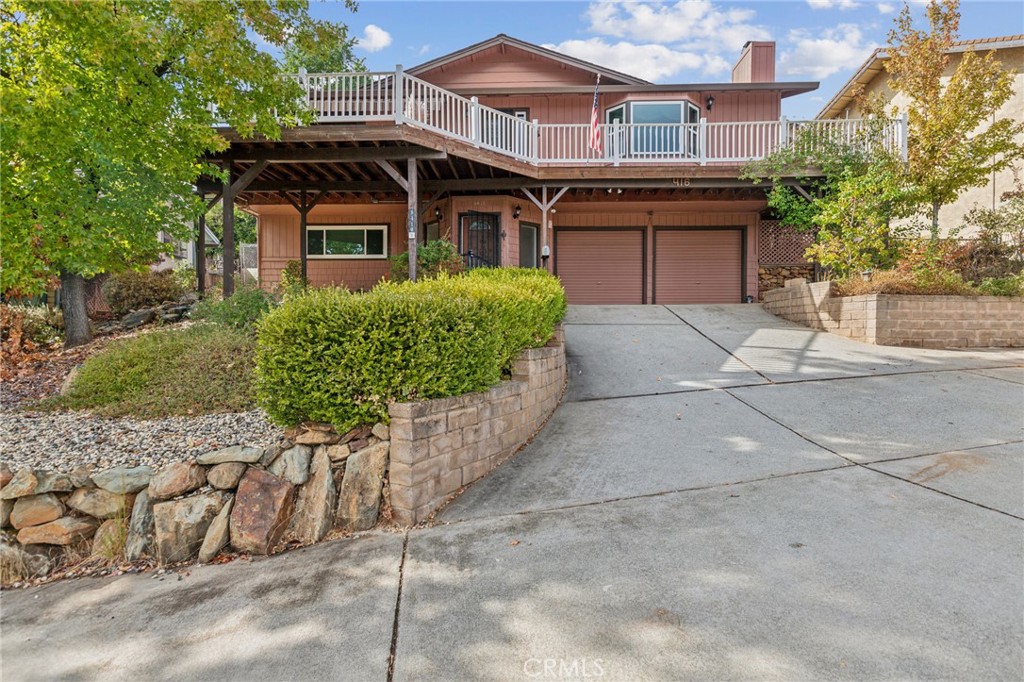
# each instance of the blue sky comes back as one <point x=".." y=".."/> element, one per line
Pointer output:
<point x="667" y="42"/>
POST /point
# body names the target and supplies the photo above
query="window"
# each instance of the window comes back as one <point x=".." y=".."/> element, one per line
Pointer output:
<point x="528" y="248"/>
<point x="657" y="127"/>
<point x="347" y="241"/>
<point x="431" y="231"/>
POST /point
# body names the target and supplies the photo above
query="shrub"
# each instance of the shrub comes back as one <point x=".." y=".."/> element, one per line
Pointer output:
<point x="186" y="277"/>
<point x="432" y="258"/>
<point x="1003" y="286"/>
<point x="131" y="290"/>
<point x="241" y="310"/>
<point x="197" y="370"/>
<point x="924" y="282"/>
<point x="342" y="358"/>
<point x="39" y="323"/>
<point x="292" y="282"/>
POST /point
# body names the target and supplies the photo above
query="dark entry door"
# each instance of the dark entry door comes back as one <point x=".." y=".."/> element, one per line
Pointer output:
<point x="478" y="239"/>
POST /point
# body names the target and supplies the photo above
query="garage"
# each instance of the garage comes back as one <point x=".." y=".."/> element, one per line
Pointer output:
<point x="698" y="265"/>
<point x="601" y="266"/>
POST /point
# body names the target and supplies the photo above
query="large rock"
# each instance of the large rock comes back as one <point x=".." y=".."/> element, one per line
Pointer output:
<point x="180" y="526"/>
<point x="337" y="453"/>
<point x="109" y="539"/>
<point x="235" y="453"/>
<point x="317" y="437"/>
<point x="5" y="475"/>
<point x="176" y="479"/>
<point x="382" y="431"/>
<point x="293" y="465"/>
<point x="122" y="480"/>
<point x="226" y="476"/>
<point x="140" y="529"/>
<point x="81" y="476"/>
<point x="29" y="482"/>
<point x="6" y="507"/>
<point x="359" y="498"/>
<point x="64" y="531"/>
<point x="263" y="506"/>
<point x="138" y="318"/>
<point x="36" y="510"/>
<point x="314" y="508"/>
<point x="24" y="562"/>
<point x="217" y="535"/>
<point x="272" y="452"/>
<point x="100" y="503"/>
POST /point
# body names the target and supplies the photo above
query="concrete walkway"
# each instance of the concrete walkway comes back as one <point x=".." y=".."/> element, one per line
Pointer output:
<point x="722" y="495"/>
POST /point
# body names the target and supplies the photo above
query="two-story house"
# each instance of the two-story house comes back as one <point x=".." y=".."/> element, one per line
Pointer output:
<point x="493" y="147"/>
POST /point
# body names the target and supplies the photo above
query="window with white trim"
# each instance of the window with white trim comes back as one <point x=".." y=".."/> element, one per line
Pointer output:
<point x="347" y="241"/>
<point x="657" y="127"/>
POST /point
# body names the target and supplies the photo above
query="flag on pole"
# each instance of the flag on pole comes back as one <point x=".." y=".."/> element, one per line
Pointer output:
<point x="595" y="121"/>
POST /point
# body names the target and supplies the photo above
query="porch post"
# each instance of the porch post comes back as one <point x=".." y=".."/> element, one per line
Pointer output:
<point x="201" y="253"/>
<point x="544" y="227"/>
<point x="229" y="233"/>
<point x="303" y="212"/>
<point x="413" y="194"/>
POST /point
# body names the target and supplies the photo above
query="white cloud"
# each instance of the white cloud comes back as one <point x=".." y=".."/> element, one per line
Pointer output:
<point x="820" y="55"/>
<point x="374" y="38"/>
<point x="833" y="4"/>
<point x="886" y="8"/>
<point x="651" y="62"/>
<point x="697" y="25"/>
<point x="423" y="49"/>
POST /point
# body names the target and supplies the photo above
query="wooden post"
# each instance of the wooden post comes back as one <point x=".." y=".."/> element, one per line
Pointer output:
<point x="201" y="254"/>
<point x="413" y="195"/>
<point x="229" y="234"/>
<point x="303" y="212"/>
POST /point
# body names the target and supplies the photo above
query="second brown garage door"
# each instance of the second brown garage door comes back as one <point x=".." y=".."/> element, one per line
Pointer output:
<point x="601" y="266"/>
<point x="698" y="266"/>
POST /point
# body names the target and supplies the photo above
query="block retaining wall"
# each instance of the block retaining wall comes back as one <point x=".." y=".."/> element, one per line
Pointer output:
<point x="896" y="320"/>
<point x="438" y="446"/>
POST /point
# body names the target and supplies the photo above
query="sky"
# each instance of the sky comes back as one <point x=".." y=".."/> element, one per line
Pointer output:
<point x="664" y="42"/>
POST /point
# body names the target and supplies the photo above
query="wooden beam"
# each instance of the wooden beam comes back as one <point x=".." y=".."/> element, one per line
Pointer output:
<point x="413" y="219"/>
<point x="303" y="251"/>
<point x="393" y="173"/>
<point x="201" y="256"/>
<point x="335" y="154"/>
<point x="229" y="233"/>
<point x="247" y="177"/>
<point x="331" y="186"/>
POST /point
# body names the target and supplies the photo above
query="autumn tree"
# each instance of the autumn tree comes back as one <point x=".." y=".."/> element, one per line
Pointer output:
<point x="108" y="109"/>
<point x="332" y="57"/>
<point x="955" y="139"/>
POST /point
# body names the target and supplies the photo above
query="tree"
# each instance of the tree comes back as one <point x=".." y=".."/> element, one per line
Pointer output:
<point x="331" y="57"/>
<point x="947" y="153"/>
<point x="107" y="112"/>
<point x="245" y="226"/>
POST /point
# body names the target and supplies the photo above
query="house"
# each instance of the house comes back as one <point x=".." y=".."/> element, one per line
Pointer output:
<point x="872" y="79"/>
<point x="492" y="147"/>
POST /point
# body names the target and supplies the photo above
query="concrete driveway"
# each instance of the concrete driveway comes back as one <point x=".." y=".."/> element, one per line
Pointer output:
<point x="722" y="495"/>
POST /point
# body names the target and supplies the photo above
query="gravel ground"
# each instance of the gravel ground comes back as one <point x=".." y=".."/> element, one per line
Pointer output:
<point x="60" y="441"/>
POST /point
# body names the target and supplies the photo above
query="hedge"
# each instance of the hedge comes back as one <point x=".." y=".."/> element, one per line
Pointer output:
<point x="342" y="358"/>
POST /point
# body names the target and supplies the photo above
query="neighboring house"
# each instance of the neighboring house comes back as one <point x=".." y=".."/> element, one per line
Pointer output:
<point x="492" y="147"/>
<point x="184" y="253"/>
<point x="873" y="79"/>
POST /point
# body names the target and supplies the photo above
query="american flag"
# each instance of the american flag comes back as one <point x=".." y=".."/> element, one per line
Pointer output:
<point x="595" y="122"/>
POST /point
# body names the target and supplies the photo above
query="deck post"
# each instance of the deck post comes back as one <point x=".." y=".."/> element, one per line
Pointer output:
<point x="399" y="95"/>
<point x="229" y="233"/>
<point x="413" y="193"/>
<point x="783" y="131"/>
<point x="535" y="138"/>
<point x="303" y="212"/>
<point x="200" y="259"/>
<point x="702" y="140"/>
<point x="474" y="121"/>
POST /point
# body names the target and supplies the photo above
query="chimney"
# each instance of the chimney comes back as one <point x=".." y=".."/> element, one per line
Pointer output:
<point x="756" y="63"/>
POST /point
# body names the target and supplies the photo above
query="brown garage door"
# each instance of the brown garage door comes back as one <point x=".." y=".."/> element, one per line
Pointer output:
<point x="698" y="266"/>
<point x="601" y="266"/>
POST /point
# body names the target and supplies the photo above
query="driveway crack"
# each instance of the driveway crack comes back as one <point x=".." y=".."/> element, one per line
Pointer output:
<point x="398" y="607"/>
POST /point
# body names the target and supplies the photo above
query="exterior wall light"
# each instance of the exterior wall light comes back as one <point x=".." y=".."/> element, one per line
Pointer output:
<point x="437" y="214"/>
<point x="516" y="211"/>
<point x="710" y="102"/>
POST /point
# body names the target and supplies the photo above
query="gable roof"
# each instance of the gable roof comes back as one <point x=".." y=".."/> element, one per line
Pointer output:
<point x="613" y="77"/>
<point x="875" y="64"/>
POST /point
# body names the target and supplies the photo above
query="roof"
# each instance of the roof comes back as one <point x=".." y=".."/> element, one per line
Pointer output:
<point x="502" y="39"/>
<point x="875" y="64"/>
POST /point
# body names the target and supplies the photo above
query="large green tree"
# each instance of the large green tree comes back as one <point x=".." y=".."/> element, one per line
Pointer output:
<point x="108" y="108"/>
<point x="956" y="139"/>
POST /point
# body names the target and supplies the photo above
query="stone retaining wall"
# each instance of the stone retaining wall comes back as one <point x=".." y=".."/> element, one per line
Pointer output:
<point x="891" y="320"/>
<point x="770" y="277"/>
<point x="438" y="446"/>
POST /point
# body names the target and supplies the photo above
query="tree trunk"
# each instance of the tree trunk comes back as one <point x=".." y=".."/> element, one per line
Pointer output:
<point x="935" y="219"/>
<point x="72" y="304"/>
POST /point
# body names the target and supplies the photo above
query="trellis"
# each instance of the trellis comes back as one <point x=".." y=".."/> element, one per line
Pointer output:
<point x="782" y="245"/>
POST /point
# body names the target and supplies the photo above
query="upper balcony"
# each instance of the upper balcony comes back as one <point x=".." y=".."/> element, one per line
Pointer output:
<point x="365" y="97"/>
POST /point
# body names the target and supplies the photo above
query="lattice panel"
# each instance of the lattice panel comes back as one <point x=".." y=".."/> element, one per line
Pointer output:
<point x="782" y="245"/>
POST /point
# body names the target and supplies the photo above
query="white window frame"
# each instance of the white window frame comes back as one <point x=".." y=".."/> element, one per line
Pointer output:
<point x="687" y="143"/>
<point x="382" y="227"/>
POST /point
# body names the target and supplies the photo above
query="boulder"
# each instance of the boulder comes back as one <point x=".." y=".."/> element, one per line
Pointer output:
<point x="358" y="433"/>
<point x="138" y="318"/>
<point x="64" y="531"/>
<point x="217" y="535"/>
<point x="293" y="464"/>
<point x="227" y="475"/>
<point x="359" y="498"/>
<point x="337" y="453"/>
<point x="140" y="529"/>
<point x="381" y="431"/>
<point x="317" y="437"/>
<point x="36" y="510"/>
<point x="263" y="506"/>
<point x="29" y="482"/>
<point x="5" y="475"/>
<point x="358" y="444"/>
<point x="122" y="480"/>
<point x="235" y="453"/>
<point x="272" y="452"/>
<point x="24" y="562"/>
<point x="180" y="526"/>
<point x="81" y="476"/>
<point x="6" y="507"/>
<point x="109" y="539"/>
<point x="100" y="503"/>
<point x="314" y="507"/>
<point x="176" y="479"/>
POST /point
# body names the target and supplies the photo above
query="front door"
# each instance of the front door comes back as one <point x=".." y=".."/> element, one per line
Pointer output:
<point x="479" y="240"/>
<point x="528" y="247"/>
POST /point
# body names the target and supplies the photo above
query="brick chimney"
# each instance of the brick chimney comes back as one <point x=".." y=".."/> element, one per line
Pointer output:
<point x="756" y="63"/>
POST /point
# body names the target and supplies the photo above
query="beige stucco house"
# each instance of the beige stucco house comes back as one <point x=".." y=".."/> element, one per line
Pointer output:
<point x="873" y="77"/>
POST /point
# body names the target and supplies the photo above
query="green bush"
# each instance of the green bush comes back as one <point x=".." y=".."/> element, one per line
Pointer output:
<point x="197" y="370"/>
<point x="432" y="258"/>
<point x="342" y="358"/>
<point x="292" y="282"/>
<point x="241" y="310"/>
<point x="131" y="290"/>
<point x="39" y="323"/>
<point x="186" y="277"/>
<point x="1003" y="286"/>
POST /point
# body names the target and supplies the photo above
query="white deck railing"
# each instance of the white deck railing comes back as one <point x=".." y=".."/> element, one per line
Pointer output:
<point x="404" y="99"/>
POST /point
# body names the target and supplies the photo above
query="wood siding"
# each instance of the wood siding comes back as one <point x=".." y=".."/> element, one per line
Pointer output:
<point x="505" y="66"/>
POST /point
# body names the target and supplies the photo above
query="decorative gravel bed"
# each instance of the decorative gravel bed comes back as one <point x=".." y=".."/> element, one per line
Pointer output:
<point x="61" y="441"/>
